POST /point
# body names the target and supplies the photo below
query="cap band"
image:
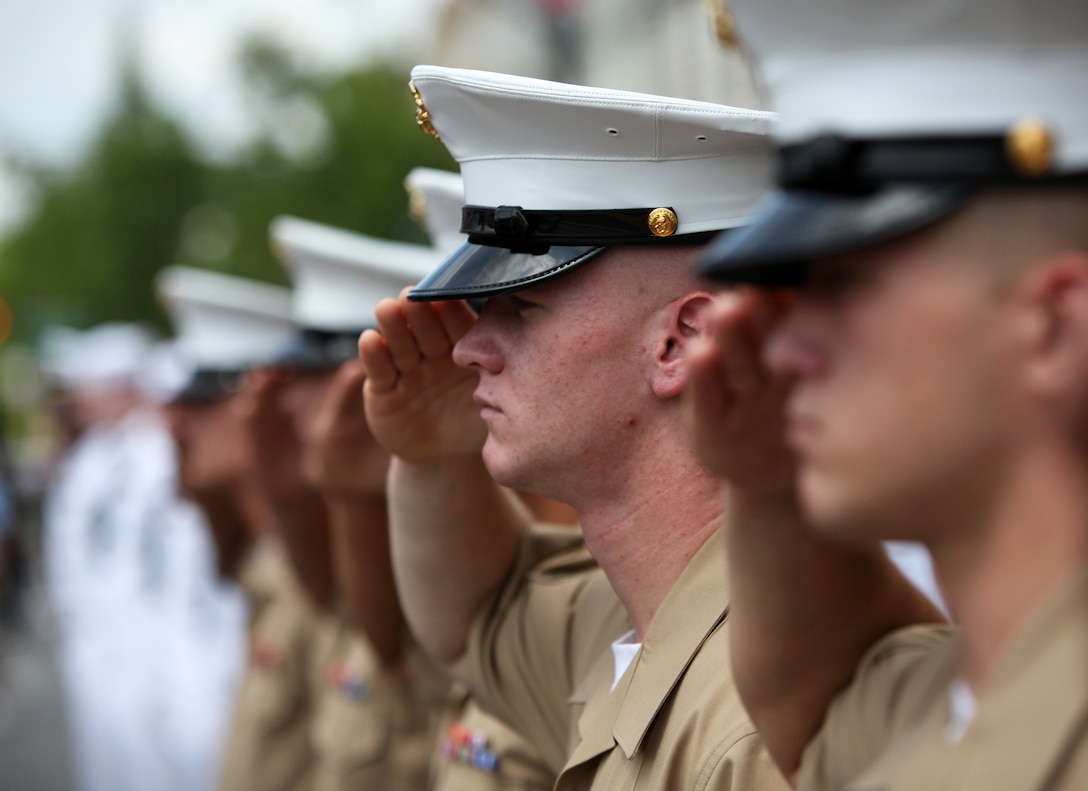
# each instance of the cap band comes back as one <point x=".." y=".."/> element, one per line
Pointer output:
<point x="839" y="164"/>
<point x="517" y="227"/>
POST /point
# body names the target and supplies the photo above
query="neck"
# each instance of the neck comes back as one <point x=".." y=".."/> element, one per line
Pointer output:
<point x="644" y="532"/>
<point x="996" y="577"/>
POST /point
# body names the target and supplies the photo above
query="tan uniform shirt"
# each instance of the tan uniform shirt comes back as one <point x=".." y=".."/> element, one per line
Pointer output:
<point x="888" y="730"/>
<point x="269" y="745"/>
<point x="476" y="751"/>
<point x="371" y="729"/>
<point x="541" y="657"/>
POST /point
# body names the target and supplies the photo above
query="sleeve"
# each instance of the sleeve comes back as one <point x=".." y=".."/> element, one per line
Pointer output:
<point x="521" y="644"/>
<point x="894" y="686"/>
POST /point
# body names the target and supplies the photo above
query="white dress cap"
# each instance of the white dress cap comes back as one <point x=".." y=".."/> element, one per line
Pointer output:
<point x="340" y="276"/>
<point x="107" y="355"/>
<point x="925" y="68"/>
<point x="222" y="322"/>
<point x="549" y="146"/>
<point x="57" y="351"/>
<point x="436" y="197"/>
<point x="891" y="114"/>
<point x="555" y="174"/>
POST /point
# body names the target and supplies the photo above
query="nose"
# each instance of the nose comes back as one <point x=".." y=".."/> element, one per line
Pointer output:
<point x="478" y="348"/>
<point x="794" y="348"/>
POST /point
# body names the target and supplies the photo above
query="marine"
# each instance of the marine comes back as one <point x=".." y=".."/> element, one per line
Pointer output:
<point x="919" y="322"/>
<point x="583" y="209"/>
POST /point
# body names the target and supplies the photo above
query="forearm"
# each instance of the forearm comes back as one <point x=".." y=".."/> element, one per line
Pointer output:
<point x="803" y="612"/>
<point x="364" y="572"/>
<point x="455" y="534"/>
<point x="302" y="524"/>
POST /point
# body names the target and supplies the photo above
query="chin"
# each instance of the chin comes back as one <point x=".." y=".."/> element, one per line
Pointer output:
<point x="507" y="467"/>
<point x="496" y="462"/>
<point x="835" y="511"/>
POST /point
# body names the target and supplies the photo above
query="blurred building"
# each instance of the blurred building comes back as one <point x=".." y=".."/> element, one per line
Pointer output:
<point x="667" y="47"/>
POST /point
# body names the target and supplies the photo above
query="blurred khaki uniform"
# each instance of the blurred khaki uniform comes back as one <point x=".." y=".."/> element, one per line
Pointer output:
<point x="372" y="729"/>
<point x="541" y="657"/>
<point x="269" y="747"/>
<point x="1030" y="730"/>
<point x="477" y="752"/>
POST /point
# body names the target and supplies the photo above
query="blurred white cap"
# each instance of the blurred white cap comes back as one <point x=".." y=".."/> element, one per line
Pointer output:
<point x="109" y="355"/>
<point x="339" y="276"/>
<point x="222" y="322"/>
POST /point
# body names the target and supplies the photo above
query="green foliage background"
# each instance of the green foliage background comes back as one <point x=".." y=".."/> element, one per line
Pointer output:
<point x="142" y="197"/>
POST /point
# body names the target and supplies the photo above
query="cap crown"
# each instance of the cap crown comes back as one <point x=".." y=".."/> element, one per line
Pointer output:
<point x="222" y="322"/>
<point x="937" y="68"/>
<point x="340" y="276"/>
<point x="549" y="146"/>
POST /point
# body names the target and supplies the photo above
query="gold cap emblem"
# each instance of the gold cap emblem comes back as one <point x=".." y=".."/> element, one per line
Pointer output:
<point x="724" y="26"/>
<point x="417" y="205"/>
<point x="423" y="117"/>
<point x="662" y="222"/>
<point x="1029" y="145"/>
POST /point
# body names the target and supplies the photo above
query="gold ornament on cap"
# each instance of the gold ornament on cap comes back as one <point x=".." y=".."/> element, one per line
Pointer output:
<point x="662" y="222"/>
<point x="423" y="117"/>
<point x="1029" y="145"/>
<point x="417" y="205"/>
<point x="724" y="26"/>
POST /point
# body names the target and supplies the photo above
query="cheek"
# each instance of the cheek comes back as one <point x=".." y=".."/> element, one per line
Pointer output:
<point x="917" y="353"/>
<point x="912" y="403"/>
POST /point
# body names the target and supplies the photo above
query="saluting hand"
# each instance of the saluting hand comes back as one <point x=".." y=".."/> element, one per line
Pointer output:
<point x="342" y="457"/>
<point x="418" y="401"/>
<point x="276" y="444"/>
<point x="733" y="405"/>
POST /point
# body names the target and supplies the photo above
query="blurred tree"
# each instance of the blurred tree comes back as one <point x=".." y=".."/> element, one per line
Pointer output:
<point x="330" y="147"/>
<point x="88" y="250"/>
<point x="333" y="148"/>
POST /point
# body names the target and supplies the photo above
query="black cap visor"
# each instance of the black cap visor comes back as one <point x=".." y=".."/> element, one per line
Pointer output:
<point x="481" y="271"/>
<point x="207" y="386"/>
<point x="313" y="351"/>
<point x="795" y="226"/>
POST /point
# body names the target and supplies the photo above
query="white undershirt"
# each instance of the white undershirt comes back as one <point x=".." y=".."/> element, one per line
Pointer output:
<point x="624" y="651"/>
<point x="963" y="706"/>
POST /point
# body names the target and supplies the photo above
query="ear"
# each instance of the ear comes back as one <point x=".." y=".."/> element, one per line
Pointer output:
<point x="683" y="321"/>
<point x="1057" y="292"/>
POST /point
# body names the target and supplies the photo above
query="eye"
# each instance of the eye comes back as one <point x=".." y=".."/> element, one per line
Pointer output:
<point x="837" y="278"/>
<point x="520" y="304"/>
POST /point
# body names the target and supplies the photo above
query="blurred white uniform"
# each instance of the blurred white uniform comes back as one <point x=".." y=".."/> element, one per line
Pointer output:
<point x="207" y="646"/>
<point x="150" y="642"/>
<point x="83" y="548"/>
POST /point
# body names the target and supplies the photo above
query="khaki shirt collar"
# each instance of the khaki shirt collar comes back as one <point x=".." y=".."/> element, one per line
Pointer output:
<point x="1031" y="715"/>
<point x="694" y="607"/>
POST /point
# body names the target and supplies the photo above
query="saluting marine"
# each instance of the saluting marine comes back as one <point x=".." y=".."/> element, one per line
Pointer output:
<point x="226" y="324"/>
<point x="583" y="208"/>
<point x="930" y="226"/>
<point x="376" y="705"/>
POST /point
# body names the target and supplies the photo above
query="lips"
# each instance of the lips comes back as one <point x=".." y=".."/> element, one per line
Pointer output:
<point x="802" y="428"/>
<point x="486" y="407"/>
